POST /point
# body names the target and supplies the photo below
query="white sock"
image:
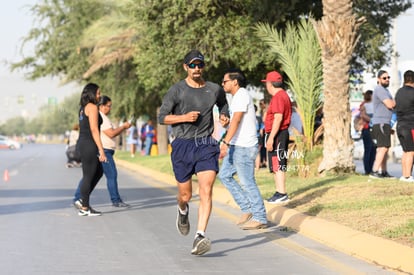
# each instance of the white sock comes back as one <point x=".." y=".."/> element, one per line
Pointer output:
<point x="200" y="232"/>
<point x="183" y="212"/>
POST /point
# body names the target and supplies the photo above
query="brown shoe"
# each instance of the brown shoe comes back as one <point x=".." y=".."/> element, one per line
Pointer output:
<point x="245" y="217"/>
<point x="251" y="225"/>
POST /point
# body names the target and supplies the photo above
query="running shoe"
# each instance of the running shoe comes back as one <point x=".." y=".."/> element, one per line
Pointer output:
<point x="77" y="204"/>
<point x="201" y="245"/>
<point x="278" y="198"/>
<point x="409" y="179"/>
<point x="90" y="212"/>
<point x="183" y="224"/>
<point x="120" y="204"/>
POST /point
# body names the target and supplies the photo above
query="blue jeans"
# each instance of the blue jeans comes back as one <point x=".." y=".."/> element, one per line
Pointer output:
<point x="111" y="174"/>
<point x="370" y="151"/>
<point x="148" y="144"/>
<point x="241" y="161"/>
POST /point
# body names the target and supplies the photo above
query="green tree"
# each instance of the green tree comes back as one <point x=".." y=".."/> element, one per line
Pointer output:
<point x="57" y="38"/>
<point x="165" y="31"/>
<point x="13" y="126"/>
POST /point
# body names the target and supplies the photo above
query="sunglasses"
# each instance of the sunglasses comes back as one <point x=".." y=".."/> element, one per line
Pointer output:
<point x="193" y="65"/>
<point x="385" y="77"/>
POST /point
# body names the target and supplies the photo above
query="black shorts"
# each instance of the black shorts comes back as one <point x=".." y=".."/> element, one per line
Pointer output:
<point x="190" y="156"/>
<point x="277" y="159"/>
<point x="405" y="134"/>
<point x="381" y="135"/>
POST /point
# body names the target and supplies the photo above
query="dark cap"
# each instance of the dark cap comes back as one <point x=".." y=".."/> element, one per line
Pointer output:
<point x="193" y="55"/>
<point x="273" y="76"/>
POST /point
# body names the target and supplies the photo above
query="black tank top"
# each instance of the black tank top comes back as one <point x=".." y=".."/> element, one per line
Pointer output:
<point x="85" y="133"/>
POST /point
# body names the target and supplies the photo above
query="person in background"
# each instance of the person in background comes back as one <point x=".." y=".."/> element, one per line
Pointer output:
<point x="108" y="134"/>
<point x="404" y="105"/>
<point x="296" y="126"/>
<point x="381" y="125"/>
<point x="132" y="139"/>
<point x="149" y="136"/>
<point x="90" y="147"/>
<point x="262" y="149"/>
<point x="277" y="123"/>
<point x="366" y="110"/>
<point x="188" y="108"/>
<point x="142" y="137"/>
<point x="239" y="150"/>
<point x="72" y="154"/>
<point x="260" y="134"/>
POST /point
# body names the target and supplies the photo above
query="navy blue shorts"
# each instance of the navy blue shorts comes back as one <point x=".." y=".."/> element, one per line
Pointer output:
<point x="190" y="156"/>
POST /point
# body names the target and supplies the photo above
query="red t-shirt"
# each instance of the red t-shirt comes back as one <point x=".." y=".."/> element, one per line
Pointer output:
<point x="279" y="104"/>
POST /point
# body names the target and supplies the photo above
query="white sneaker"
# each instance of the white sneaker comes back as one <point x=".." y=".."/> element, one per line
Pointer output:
<point x="410" y="179"/>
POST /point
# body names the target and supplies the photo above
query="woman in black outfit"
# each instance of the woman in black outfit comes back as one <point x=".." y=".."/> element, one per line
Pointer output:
<point x="90" y="146"/>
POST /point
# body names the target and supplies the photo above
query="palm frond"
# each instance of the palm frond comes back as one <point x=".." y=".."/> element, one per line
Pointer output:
<point x="299" y="53"/>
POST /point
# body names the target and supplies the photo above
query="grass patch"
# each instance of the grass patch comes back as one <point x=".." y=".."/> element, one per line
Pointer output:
<point x="405" y="230"/>
<point x="160" y="163"/>
<point x="379" y="207"/>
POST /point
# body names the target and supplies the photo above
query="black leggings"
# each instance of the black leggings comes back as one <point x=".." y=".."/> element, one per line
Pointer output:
<point x="91" y="169"/>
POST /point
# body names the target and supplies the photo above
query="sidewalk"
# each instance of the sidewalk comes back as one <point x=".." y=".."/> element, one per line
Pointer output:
<point x="370" y="248"/>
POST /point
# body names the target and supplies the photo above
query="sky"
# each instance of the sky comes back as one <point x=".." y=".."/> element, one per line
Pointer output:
<point x="16" y="22"/>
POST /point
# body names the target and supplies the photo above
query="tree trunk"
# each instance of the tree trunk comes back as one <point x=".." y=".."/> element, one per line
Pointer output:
<point x="337" y="34"/>
<point x="162" y="137"/>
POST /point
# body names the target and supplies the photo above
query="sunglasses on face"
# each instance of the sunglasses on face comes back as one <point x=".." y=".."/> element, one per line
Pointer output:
<point x="193" y="65"/>
<point x="385" y="77"/>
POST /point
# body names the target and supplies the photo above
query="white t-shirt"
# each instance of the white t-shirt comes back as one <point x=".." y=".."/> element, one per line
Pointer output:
<point x="246" y="134"/>
<point x="107" y="142"/>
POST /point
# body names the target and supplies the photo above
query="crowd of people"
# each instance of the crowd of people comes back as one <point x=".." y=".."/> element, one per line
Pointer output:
<point x="381" y="116"/>
<point x="254" y="138"/>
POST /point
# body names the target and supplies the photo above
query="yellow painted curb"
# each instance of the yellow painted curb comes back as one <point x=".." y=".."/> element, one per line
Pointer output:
<point x="370" y="248"/>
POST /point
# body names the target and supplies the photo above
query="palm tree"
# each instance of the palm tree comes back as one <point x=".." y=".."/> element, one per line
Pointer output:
<point x="111" y="37"/>
<point x="337" y="33"/>
<point x="298" y="52"/>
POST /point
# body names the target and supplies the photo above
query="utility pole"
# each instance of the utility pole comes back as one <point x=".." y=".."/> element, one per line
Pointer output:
<point x="395" y="82"/>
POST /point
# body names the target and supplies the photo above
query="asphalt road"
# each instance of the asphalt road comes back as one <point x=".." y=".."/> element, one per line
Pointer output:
<point x="41" y="233"/>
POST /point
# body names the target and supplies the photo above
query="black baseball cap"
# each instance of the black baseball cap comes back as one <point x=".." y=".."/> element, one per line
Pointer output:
<point x="193" y="55"/>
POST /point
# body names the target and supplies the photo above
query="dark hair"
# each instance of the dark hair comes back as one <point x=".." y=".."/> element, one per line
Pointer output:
<point x="409" y="77"/>
<point x="104" y="99"/>
<point x="89" y="94"/>
<point x="381" y="72"/>
<point x="238" y="75"/>
<point x="368" y="95"/>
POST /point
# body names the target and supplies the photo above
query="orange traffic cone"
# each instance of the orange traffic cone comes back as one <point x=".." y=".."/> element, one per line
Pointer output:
<point x="6" y="175"/>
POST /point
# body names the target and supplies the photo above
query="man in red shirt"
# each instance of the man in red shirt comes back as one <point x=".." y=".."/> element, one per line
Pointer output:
<point x="277" y="123"/>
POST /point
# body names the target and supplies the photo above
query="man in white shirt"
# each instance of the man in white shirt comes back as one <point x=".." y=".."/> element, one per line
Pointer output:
<point x="239" y="149"/>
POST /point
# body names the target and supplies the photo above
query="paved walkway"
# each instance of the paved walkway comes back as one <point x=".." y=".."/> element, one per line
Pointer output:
<point x="370" y="248"/>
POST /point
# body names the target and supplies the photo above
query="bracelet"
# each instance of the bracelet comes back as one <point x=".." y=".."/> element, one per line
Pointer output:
<point x="225" y="142"/>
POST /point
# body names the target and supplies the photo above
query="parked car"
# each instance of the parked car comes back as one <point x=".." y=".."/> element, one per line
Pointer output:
<point x="8" y="143"/>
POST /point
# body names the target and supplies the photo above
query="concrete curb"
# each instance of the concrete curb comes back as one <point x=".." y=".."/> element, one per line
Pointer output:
<point x="370" y="248"/>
